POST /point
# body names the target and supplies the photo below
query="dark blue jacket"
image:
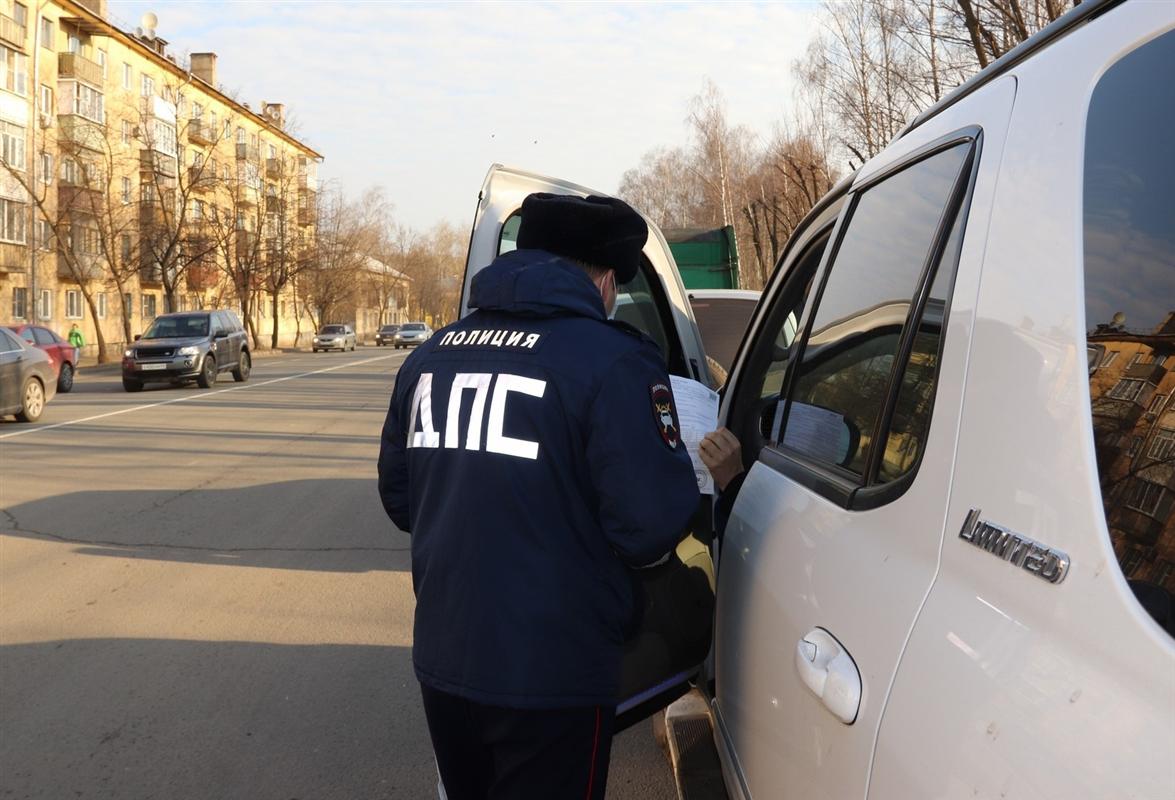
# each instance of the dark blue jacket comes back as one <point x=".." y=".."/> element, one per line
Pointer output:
<point x="530" y="452"/>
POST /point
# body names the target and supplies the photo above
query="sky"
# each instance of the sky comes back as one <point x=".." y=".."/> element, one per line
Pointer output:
<point x="421" y="98"/>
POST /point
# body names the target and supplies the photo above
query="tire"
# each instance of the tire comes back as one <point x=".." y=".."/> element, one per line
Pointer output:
<point x="207" y="375"/>
<point x="316" y="349"/>
<point x="65" y="378"/>
<point x="32" y="401"/>
<point x="132" y="385"/>
<point x="244" y="367"/>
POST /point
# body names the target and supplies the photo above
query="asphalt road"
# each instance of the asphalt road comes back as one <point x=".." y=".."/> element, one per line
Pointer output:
<point x="200" y="596"/>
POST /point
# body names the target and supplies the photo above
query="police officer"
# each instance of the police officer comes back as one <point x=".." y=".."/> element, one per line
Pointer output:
<point x="532" y="451"/>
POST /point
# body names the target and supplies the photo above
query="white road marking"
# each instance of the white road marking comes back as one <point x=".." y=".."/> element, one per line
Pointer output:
<point x="201" y="396"/>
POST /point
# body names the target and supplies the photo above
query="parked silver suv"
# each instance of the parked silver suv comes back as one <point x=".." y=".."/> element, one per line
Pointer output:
<point x="195" y="345"/>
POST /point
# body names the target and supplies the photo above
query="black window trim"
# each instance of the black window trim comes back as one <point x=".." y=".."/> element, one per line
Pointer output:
<point x="836" y="484"/>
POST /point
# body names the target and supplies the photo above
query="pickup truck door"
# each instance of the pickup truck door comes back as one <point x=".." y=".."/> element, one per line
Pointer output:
<point x="833" y="542"/>
<point x="675" y="635"/>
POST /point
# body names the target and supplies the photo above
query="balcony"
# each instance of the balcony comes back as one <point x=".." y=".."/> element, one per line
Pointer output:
<point x="246" y="241"/>
<point x="306" y="216"/>
<point x="201" y="179"/>
<point x="73" y="65"/>
<point x="153" y="214"/>
<point x="201" y="133"/>
<point x="76" y="131"/>
<point x="157" y="162"/>
<point x="273" y="205"/>
<point x="273" y="168"/>
<point x="11" y="32"/>
<point x="201" y="275"/>
<point x="1152" y="373"/>
<point x="247" y="196"/>
<point x="82" y="268"/>
<point x="248" y="152"/>
<point x="80" y="199"/>
<point x="151" y="275"/>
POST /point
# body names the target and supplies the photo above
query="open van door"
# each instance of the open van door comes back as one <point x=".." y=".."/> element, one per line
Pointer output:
<point x="678" y="596"/>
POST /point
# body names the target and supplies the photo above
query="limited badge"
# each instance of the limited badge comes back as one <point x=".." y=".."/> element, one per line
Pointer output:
<point x="665" y="414"/>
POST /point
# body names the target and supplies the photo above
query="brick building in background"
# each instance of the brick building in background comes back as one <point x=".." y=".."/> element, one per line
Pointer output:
<point x="131" y="185"/>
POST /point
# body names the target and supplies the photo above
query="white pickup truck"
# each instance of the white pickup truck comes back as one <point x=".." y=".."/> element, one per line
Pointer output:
<point x="949" y="572"/>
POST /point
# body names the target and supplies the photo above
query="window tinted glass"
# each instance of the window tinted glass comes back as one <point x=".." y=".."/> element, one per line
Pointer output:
<point x="722" y="323"/>
<point x="332" y="329"/>
<point x="8" y="342"/>
<point x="844" y="374"/>
<point x="906" y="435"/>
<point x="637" y="305"/>
<point x="43" y="336"/>
<point x="27" y="335"/>
<point x="508" y="239"/>
<point x="1130" y="314"/>
<point x="177" y="327"/>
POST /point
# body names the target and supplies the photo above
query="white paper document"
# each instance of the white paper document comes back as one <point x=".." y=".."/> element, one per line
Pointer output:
<point x="697" y="413"/>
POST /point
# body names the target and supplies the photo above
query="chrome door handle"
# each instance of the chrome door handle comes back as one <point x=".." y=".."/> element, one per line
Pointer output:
<point x="830" y="673"/>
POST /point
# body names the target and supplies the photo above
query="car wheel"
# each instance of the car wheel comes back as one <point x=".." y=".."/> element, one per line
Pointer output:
<point x="316" y="349"/>
<point x="65" y="377"/>
<point x="132" y="385"/>
<point x="207" y="375"/>
<point x="244" y="367"/>
<point x="32" y="401"/>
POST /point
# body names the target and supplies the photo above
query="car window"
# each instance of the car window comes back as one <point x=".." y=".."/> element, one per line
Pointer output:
<point x="844" y="375"/>
<point x="508" y="238"/>
<point x="331" y="329"/>
<point x="8" y="342"/>
<point x="43" y="336"/>
<point x="27" y="335"/>
<point x="1129" y="238"/>
<point x="722" y="321"/>
<point x="177" y="327"/>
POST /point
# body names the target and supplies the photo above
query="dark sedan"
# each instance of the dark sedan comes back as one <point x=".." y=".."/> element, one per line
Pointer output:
<point x="27" y="378"/>
<point x="63" y="355"/>
<point x="386" y="335"/>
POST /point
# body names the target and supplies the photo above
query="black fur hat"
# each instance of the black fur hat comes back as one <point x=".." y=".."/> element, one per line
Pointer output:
<point x="601" y="231"/>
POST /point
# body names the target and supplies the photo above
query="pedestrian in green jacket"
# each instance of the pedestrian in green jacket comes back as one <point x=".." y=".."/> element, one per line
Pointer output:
<point x="76" y="338"/>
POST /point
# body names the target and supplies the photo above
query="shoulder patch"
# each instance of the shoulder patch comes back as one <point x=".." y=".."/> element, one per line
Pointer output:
<point x="665" y="414"/>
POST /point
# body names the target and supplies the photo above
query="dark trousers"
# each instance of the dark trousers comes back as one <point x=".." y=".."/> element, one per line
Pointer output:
<point x="491" y="753"/>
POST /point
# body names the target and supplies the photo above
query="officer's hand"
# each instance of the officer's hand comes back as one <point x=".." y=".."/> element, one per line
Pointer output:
<point x="722" y="455"/>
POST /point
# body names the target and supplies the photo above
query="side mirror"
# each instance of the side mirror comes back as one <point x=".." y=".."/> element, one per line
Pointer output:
<point x="138" y="336"/>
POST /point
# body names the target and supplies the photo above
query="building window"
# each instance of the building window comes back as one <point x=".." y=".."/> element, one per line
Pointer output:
<point x="72" y="43"/>
<point x="69" y="171"/>
<point x="1127" y="389"/>
<point x="47" y="39"/>
<point x="147" y="89"/>
<point x="1109" y="358"/>
<point x="89" y="103"/>
<point x="124" y="243"/>
<point x="127" y="76"/>
<point x="100" y="301"/>
<point x="1163" y="445"/>
<point x="12" y="145"/>
<point x="272" y="151"/>
<point x="1145" y="497"/>
<point x="1134" y="445"/>
<point x="102" y="62"/>
<point x="126" y="191"/>
<point x="20" y="14"/>
<point x="197" y="111"/>
<point x="44" y="234"/>
<point x="46" y="168"/>
<point x="83" y="240"/>
<point x="15" y="66"/>
<point x="128" y="305"/>
<point x="197" y="210"/>
<point x="45" y="304"/>
<point x="73" y="304"/>
<point x="1157" y="403"/>
<point x="46" y="99"/>
<point x="12" y="221"/>
<point x="20" y="302"/>
<point x="148" y="306"/>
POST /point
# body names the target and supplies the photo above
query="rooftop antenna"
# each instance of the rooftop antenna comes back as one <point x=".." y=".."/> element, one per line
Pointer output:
<point x="149" y="22"/>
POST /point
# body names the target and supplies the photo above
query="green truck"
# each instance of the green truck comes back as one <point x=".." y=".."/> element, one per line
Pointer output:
<point x="706" y="258"/>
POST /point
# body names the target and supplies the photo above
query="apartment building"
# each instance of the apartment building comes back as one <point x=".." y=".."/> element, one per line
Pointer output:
<point x="132" y="185"/>
<point x="1132" y="384"/>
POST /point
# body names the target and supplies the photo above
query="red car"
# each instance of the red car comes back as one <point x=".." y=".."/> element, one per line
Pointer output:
<point x="62" y="355"/>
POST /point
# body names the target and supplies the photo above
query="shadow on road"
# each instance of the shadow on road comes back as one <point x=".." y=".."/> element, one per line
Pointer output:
<point x="335" y="525"/>
<point x="151" y="718"/>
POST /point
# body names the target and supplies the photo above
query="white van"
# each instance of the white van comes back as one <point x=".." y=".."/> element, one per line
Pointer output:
<point x="950" y="570"/>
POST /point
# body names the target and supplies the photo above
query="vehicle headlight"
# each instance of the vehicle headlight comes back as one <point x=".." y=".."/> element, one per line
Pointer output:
<point x="128" y="353"/>
<point x="190" y="350"/>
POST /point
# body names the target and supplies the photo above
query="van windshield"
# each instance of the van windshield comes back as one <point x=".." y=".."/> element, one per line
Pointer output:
<point x="178" y="328"/>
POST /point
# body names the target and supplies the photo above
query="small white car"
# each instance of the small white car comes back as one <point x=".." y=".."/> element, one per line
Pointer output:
<point x="334" y="337"/>
<point x="411" y="334"/>
<point x="950" y="569"/>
